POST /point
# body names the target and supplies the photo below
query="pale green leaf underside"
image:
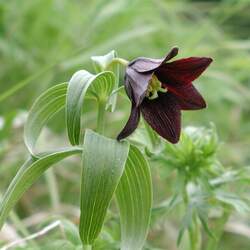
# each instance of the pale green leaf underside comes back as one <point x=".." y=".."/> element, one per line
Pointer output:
<point x="105" y="63"/>
<point x="134" y="198"/>
<point x="103" y="164"/>
<point x="47" y="104"/>
<point x="101" y="63"/>
<point x="115" y="68"/>
<point x="99" y="86"/>
<point x="27" y="175"/>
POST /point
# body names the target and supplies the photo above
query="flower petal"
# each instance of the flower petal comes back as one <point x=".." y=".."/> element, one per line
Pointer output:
<point x="183" y="71"/>
<point x="143" y="64"/>
<point x="136" y="85"/>
<point x="188" y="97"/>
<point x="131" y="124"/>
<point x="164" y="116"/>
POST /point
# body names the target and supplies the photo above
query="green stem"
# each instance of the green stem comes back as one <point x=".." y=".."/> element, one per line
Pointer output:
<point x="194" y="232"/>
<point x="101" y="117"/>
<point x="18" y="224"/>
<point x="195" y="235"/>
<point x="87" y="247"/>
<point x="185" y="195"/>
<point x="53" y="189"/>
<point x="121" y="61"/>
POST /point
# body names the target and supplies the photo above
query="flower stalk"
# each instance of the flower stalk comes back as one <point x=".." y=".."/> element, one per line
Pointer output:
<point x="120" y="61"/>
<point x="87" y="247"/>
<point x="195" y="235"/>
<point x="101" y="117"/>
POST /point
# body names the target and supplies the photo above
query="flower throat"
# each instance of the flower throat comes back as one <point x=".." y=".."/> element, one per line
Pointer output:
<point x="153" y="88"/>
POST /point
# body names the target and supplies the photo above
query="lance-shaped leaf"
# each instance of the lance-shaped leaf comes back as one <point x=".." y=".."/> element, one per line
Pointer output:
<point x="134" y="197"/>
<point x="103" y="164"/>
<point x="27" y="175"/>
<point x="46" y="105"/>
<point x="101" y="84"/>
<point x="106" y="62"/>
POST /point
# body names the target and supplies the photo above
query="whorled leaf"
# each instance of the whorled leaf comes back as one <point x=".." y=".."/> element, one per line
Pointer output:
<point x="103" y="164"/>
<point x="46" y="105"/>
<point x="134" y="198"/>
<point x="98" y="86"/>
<point x="31" y="170"/>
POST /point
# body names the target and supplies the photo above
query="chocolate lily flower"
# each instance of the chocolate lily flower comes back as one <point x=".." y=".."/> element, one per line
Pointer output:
<point x="160" y="90"/>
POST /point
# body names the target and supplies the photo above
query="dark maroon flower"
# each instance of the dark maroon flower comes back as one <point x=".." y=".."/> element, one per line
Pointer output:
<point x="160" y="90"/>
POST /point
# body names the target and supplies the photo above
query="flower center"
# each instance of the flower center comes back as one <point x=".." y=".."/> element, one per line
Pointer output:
<point x="154" y="87"/>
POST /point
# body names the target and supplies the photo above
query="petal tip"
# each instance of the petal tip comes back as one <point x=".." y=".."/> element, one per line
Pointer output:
<point x="171" y="54"/>
<point x="175" y="141"/>
<point x="119" y="137"/>
<point x="210" y="59"/>
<point x="204" y="105"/>
<point x="175" y="50"/>
<point x="174" y="138"/>
<point x="207" y="61"/>
<point x="131" y="124"/>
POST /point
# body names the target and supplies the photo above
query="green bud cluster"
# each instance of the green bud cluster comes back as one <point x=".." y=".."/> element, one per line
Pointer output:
<point x="195" y="155"/>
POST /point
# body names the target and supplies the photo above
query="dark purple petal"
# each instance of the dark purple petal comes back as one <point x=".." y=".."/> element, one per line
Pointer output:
<point x="182" y="71"/>
<point x="131" y="124"/>
<point x="136" y="85"/>
<point x="188" y="97"/>
<point x="164" y="116"/>
<point x="144" y="65"/>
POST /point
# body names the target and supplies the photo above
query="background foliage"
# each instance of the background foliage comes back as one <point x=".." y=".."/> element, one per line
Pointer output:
<point x="43" y="42"/>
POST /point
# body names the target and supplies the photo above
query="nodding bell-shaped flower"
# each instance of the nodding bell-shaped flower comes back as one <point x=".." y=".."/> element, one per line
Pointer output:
<point x="160" y="90"/>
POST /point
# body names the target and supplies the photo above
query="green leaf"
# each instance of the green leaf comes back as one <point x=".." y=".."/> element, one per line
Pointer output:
<point x="100" y="87"/>
<point x="186" y="222"/>
<point x="204" y="221"/>
<point x="47" y="104"/>
<point x="103" y="164"/>
<point x="238" y="203"/>
<point x="134" y="197"/>
<point x="31" y="170"/>
<point x="102" y="63"/>
<point x="167" y="205"/>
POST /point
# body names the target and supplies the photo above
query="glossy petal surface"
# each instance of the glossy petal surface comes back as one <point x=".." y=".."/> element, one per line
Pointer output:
<point x="136" y="85"/>
<point x="188" y="97"/>
<point x="163" y="115"/>
<point x="131" y="124"/>
<point x="143" y="64"/>
<point x="182" y="71"/>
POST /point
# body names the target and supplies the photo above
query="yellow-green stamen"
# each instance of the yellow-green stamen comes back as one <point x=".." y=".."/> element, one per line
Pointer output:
<point x="154" y="87"/>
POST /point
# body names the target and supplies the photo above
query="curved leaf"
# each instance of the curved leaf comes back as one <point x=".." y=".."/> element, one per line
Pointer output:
<point x="134" y="198"/>
<point x="101" y="84"/>
<point x="103" y="164"/>
<point x="27" y="175"/>
<point x="47" y="104"/>
<point x="102" y="63"/>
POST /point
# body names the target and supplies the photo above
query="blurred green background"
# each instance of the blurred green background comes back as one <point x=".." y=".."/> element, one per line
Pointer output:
<point x="43" y="42"/>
